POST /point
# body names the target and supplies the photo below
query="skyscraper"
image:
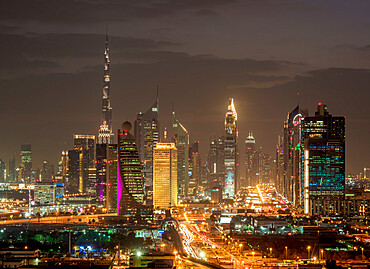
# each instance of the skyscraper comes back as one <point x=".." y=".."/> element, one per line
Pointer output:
<point x="2" y="171"/>
<point x="250" y="160"/>
<point x="323" y="163"/>
<point x="106" y="172"/>
<point x="26" y="163"/>
<point x="165" y="176"/>
<point x="181" y="140"/>
<point x="47" y="171"/>
<point x="231" y="137"/>
<point x="86" y="144"/>
<point x="216" y="162"/>
<point x="74" y="172"/>
<point x="11" y="169"/>
<point x="130" y="181"/>
<point x="194" y="168"/>
<point x="105" y="135"/>
<point x="148" y="137"/>
<point x="292" y="155"/>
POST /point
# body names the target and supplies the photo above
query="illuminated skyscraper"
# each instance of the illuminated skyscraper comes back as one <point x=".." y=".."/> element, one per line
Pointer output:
<point x="105" y="132"/>
<point x="86" y="144"/>
<point x="323" y="163"/>
<point x="251" y="161"/>
<point x="216" y="162"/>
<point x="292" y="188"/>
<point x="106" y="172"/>
<point x="130" y="181"/>
<point x="165" y="176"/>
<point x="181" y="140"/>
<point x="147" y="137"/>
<point x="47" y="172"/>
<point x="231" y="162"/>
<point x="194" y="168"/>
<point x="26" y="163"/>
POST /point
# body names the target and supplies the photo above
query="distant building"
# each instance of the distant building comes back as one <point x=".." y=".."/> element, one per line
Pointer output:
<point x="130" y="181"/>
<point x="2" y="171"/>
<point x="251" y="160"/>
<point x="61" y="175"/>
<point x="147" y="138"/>
<point x="47" y="171"/>
<point x="106" y="172"/>
<point x="86" y="145"/>
<point x="194" y="168"/>
<point x="11" y="170"/>
<point x="181" y="140"/>
<point x="74" y="173"/>
<point x="292" y="188"/>
<point x="105" y="135"/>
<point x="216" y="195"/>
<point x="26" y="163"/>
<point x="165" y="176"/>
<point x="47" y="193"/>
<point x="323" y="163"/>
<point x="216" y="162"/>
<point x="231" y="155"/>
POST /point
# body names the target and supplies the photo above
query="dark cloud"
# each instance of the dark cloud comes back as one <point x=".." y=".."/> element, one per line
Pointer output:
<point x="97" y="11"/>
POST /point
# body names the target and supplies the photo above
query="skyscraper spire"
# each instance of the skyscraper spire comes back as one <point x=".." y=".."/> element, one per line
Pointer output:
<point x="105" y="131"/>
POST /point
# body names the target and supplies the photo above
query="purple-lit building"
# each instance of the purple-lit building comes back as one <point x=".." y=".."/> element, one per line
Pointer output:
<point x="130" y="180"/>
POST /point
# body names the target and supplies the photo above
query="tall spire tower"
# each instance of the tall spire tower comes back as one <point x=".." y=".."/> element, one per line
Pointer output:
<point x="105" y="132"/>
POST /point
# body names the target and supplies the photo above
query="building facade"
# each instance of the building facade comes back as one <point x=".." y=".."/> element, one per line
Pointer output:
<point x="26" y="164"/>
<point x="323" y="163"/>
<point x="86" y="145"/>
<point x="147" y="137"/>
<point x="165" y="176"/>
<point x="231" y="154"/>
<point x="181" y="139"/>
<point x="130" y="180"/>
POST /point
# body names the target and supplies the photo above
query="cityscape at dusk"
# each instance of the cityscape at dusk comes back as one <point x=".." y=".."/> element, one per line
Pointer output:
<point x="184" y="134"/>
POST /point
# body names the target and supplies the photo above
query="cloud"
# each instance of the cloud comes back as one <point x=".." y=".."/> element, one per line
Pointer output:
<point x="97" y="11"/>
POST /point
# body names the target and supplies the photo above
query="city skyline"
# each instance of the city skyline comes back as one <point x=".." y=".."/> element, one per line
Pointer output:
<point x="263" y="81"/>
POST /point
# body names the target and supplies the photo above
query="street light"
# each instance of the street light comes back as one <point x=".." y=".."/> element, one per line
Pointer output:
<point x="270" y="252"/>
<point x="362" y="254"/>
<point x="286" y="252"/>
<point x="308" y="252"/>
<point x="253" y="254"/>
<point x="322" y="254"/>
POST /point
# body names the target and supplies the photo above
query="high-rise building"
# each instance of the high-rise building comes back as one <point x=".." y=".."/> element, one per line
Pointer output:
<point x="11" y="170"/>
<point x="292" y="188"/>
<point x="147" y="137"/>
<point x="165" y="176"/>
<point x="250" y="160"/>
<point x="181" y="140"/>
<point x="216" y="162"/>
<point x="194" y="168"/>
<point x="74" y="171"/>
<point x="279" y="165"/>
<point x="367" y="173"/>
<point x="105" y="135"/>
<point x="61" y="175"/>
<point x="130" y="181"/>
<point x="106" y="172"/>
<point x="323" y="163"/>
<point x="26" y="163"/>
<point x="86" y="144"/>
<point x="231" y="155"/>
<point x="2" y="171"/>
<point x="47" y="172"/>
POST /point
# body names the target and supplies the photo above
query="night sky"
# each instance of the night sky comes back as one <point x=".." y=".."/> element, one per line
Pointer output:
<point x="199" y="52"/>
